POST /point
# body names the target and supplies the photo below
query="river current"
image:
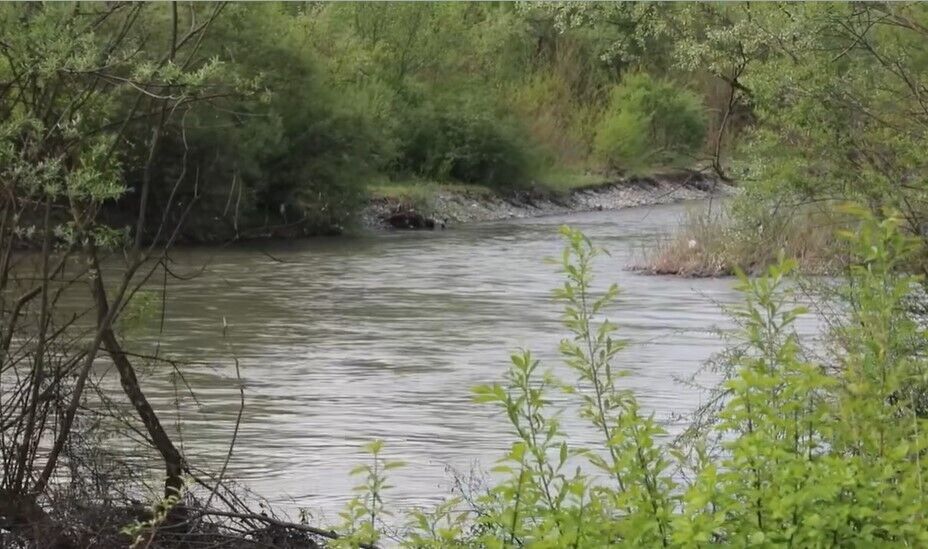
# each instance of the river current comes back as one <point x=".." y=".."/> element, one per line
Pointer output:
<point x="344" y="340"/>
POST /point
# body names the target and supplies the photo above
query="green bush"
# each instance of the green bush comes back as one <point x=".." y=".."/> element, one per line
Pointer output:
<point x="287" y="155"/>
<point x="650" y="123"/>
<point x="466" y="142"/>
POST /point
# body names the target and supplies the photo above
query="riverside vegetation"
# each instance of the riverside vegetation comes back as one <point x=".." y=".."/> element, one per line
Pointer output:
<point x="285" y="119"/>
<point x="127" y="127"/>
<point x="835" y="98"/>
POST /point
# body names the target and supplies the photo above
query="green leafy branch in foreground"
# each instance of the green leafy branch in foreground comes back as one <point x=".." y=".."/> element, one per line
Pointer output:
<point x="800" y="454"/>
<point x="362" y="513"/>
<point x="143" y="532"/>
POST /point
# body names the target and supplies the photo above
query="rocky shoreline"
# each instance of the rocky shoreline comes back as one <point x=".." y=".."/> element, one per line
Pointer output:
<point x="451" y="207"/>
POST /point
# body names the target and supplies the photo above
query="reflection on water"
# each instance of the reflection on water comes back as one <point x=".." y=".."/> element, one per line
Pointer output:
<point x="345" y="340"/>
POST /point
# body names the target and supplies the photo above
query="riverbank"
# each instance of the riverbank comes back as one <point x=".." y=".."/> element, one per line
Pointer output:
<point x="444" y="206"/>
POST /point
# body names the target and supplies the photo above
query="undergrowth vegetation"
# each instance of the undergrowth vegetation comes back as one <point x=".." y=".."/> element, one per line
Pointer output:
<point x="792" y="451"/>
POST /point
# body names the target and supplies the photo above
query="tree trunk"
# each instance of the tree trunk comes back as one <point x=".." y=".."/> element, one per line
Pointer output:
<point x="173" y="461"/>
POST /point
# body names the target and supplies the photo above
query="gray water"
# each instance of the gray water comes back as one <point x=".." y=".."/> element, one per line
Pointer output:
<point x="342" y="341"/>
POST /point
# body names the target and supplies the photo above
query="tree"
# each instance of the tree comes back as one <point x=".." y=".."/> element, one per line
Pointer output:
<point x="75" y="81"/>
<point x="837" y="94"/>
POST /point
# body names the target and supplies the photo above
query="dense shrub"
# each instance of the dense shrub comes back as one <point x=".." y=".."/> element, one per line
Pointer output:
<point x="649" y="123"/>
<point x="286" y="151"/>
<point x="467" y="142"/>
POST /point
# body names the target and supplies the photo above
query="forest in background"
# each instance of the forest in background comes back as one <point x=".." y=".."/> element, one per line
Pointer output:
<point x="286" y="118"/>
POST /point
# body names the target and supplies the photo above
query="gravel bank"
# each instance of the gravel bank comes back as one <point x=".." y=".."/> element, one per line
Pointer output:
<point x="467" y="207"/>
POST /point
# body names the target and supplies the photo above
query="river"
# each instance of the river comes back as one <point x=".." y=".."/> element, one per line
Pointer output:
<point x="345" y="340"/>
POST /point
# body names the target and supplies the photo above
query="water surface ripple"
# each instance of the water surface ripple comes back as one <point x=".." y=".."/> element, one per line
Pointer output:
<point x="342" y="341"/>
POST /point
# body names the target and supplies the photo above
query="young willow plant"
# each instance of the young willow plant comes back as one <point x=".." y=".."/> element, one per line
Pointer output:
<point x="766" y="482"/>
<point x="362" y="513"/>
<point x="442" y="528"/>
<point x="644" y="495"/>
<point x="881" y="396"/>
<point x="540" y="504"/>
<point x="530" y="504"/>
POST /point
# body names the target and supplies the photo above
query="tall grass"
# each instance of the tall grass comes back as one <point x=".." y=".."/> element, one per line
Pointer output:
<point x="717" y="244"/>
